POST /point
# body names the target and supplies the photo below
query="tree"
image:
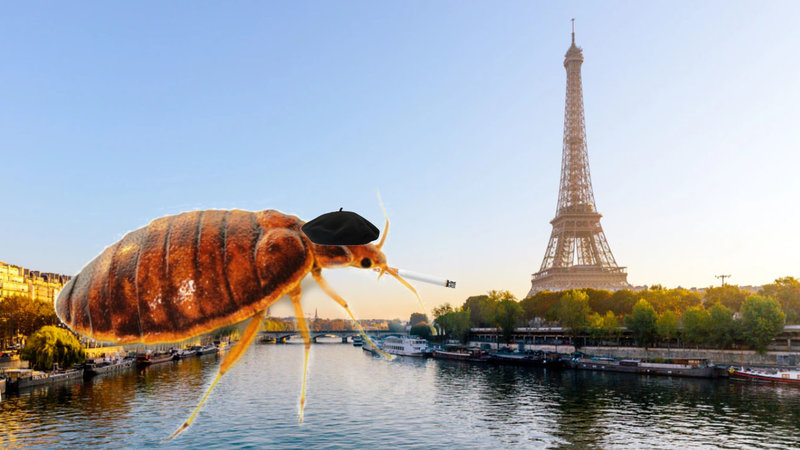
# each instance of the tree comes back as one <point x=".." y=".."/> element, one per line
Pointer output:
<point x="52" y="345"/>
<point x="508" y="316"/>
<point x="421" y="329"/>
<point x="442" y="310"/>
<point x="455" y="324"/>
<point x="417" y="318"/>
<point x="786" y="291"/>
<point x="677" y="299"/>
<point x="481" y="311"/>
<point x="498" y="296"/>
<point x="270" y="324"/>
<point x="20" y="315"/>
<point x="695" y="325"/>
<point x="721" y="327"/>
<point x="621" y="302"/>
<point x="599" y="300"/>
<point x="729" y="296"/>
<point x="605" y="326"/>
<point x="573" y="312"/>
<point x="642" y="323"/>
<point x="396" y="325"/>
<point x="540" y="304"/>
<point x="762" y="319"/>
<point x="667" y="326"/>
<point x="683" y="299"/>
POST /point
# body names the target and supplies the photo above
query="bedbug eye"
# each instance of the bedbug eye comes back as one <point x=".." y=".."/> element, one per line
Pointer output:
<point x="366" y="263"/>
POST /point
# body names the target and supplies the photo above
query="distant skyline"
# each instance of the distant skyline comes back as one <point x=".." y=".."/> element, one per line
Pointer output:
<point x="112" y="115"/>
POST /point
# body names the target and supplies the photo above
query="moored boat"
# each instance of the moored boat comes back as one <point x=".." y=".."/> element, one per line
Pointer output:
<point x="183" y="353"/>
<point x="406" y="346"/>
<point x="460" y="353"/>
<point x="358" y="341"/>
<point x="17" y="379"/>
<point x="148" y="359"/>
<point x="776" y="375"/>
<point x="698" y="368"/>
<point x="529" y="359"/>
<point x="8" y="356"/>
<point x="207" y="350"/>
<point x="93" y="368"/>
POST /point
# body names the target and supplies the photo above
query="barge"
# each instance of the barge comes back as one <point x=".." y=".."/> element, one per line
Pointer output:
<point x="17" y="379"/>
<point x="92" y="369"/>
<point x="148" y="359"/>
<point x="463" y="354"/>
<point x="207" y="350"/>
<point x="183" y="353"/>
<point x="528" y="359"/>
<point x="697" y="368"/>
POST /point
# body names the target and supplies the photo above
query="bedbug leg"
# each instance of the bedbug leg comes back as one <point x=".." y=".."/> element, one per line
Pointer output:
<point x="303" y="326"/>
<point x="230" y="359"/>
<point x="317" y="274"/>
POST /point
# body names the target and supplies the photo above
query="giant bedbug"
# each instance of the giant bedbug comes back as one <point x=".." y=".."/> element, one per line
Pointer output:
<point x="187" y="274"/>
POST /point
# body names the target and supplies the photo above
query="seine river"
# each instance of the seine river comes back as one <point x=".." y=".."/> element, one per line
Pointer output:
<point x="356" y="400"/>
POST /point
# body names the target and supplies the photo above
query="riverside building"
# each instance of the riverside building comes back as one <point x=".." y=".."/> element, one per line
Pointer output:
<point x="41" y="286"/>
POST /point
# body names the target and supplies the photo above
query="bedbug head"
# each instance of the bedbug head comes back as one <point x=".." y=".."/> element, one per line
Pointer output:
<point x="342" y="239"/>
<point x="362" y="256"/>
<point x="365" y="256"/>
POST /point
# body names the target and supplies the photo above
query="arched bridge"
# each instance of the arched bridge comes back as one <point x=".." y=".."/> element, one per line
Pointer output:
<point x="346" y="335"/>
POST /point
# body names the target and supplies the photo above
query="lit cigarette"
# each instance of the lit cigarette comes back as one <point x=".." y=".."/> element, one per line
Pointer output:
<point x="426" y="278"/>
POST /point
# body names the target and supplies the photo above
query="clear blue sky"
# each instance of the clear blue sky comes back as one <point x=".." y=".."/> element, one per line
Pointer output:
<point x="114" y="114"/>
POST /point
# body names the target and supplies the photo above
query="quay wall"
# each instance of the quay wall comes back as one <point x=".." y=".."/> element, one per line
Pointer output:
<point x="724" y="357"/>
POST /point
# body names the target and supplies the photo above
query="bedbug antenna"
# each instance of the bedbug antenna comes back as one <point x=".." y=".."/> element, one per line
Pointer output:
<point x="385" y="227"/>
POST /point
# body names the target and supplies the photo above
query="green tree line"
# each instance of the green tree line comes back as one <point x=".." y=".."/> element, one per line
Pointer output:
<point x="498" y="309"/>
<point x="21" y="316"/>
<point x="721" y="317"/>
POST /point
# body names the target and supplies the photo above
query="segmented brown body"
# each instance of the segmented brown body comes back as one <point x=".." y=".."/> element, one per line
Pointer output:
<point x="187" y="274"/>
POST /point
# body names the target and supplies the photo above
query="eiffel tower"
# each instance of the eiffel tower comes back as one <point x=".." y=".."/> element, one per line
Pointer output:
<point x="578" y="255"/>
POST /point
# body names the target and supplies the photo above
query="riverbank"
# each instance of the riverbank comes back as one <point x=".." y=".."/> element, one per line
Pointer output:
<point x="719" y="357"/>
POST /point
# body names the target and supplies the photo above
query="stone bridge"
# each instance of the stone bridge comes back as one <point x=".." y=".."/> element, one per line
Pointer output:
<point x="283" y="336"/>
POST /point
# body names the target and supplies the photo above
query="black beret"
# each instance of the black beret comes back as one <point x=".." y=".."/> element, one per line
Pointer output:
<point x="340" y="228"/>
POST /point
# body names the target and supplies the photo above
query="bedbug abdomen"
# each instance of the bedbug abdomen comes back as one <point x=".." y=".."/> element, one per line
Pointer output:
<point x="185" y="275"/>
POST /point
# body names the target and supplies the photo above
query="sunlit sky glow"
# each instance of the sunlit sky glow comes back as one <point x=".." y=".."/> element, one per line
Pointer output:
<point x="114" y="114"/>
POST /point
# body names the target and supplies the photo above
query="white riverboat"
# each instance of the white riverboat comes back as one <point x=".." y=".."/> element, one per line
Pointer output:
<point x="769" y="375"/>
<point x="406" y="346"/>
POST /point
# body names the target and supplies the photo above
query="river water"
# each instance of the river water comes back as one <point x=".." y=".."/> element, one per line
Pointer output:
<point x="356" y="400"/>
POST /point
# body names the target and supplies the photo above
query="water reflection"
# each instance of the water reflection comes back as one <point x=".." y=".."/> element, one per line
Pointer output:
<point x="355" y="400"/>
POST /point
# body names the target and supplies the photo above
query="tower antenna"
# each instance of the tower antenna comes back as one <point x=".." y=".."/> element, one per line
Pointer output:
<point x="723" y="278"/>
<point x="573" y="30"/>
